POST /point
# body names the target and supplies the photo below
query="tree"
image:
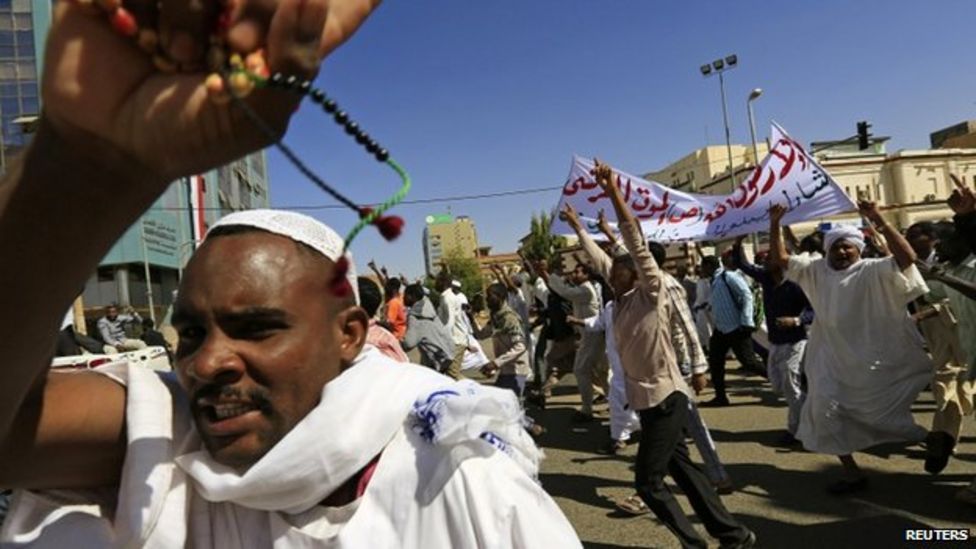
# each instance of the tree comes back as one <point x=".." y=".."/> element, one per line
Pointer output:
<point x="465" y="270"/>
<point x="541" y="243"/>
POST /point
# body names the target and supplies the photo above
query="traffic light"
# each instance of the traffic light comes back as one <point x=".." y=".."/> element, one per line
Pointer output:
<point x="863" y="135"/>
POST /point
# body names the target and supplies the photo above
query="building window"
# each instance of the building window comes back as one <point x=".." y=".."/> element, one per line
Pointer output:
<point x="106" y="274"/>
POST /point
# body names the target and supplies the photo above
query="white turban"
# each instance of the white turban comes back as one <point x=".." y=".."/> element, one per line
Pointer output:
<point x="300" y="228"/>
<point x="844" y="232"/>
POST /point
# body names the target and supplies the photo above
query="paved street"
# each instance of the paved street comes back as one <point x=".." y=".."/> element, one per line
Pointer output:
<point x="781" y="492"/>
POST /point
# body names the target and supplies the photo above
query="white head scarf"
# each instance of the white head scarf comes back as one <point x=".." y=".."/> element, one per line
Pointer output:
<point x="300" y="228"/>
<point x="844" y="232"/>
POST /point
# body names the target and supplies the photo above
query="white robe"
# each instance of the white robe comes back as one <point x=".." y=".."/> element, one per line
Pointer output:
<point x="623" y="420"/>
<point x="456" y="470"/>
<point x="865" y="361"/>
<point x="703" y="314"/>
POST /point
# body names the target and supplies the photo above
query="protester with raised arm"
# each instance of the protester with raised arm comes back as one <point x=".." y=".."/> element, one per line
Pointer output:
<point x="590" y="365"/>
<point x="865" y="360"/>
<point x="657" y="390"/>
<point x="957" y="248"/>
<point x="788" y="313"/>
<point x="276" y="428"/>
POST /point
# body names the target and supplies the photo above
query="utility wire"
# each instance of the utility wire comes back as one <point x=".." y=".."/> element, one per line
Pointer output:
<point x="433" y="200"/>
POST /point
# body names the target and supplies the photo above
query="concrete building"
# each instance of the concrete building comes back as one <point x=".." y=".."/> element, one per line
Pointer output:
<point x="701" y="169"/>
<point x="958" y="136"/>
<point x="511" y="262"/>
<point x="442" y="234"/>
<point x="158" y="245"/>
<point x="23" y="28"/>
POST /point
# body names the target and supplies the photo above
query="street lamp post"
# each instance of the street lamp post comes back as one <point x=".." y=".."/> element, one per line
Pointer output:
<point x="752" y="123"/>
<point x="719" y="66"/>
<point x="756" y="92"/>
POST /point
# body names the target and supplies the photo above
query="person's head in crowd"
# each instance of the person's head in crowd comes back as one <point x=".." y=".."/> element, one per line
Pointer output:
<point x="557" y="264"/>
<point x="623" y="274"/>
<point x="413" y="293"/>
<point x="254" y="353"/>
<point x="727" y="262"/>
<point x="442" y="282"/>
<point x="922" y="237"/>
<point x="370" y="297"/>
<point x="392" y="288"/>
<point x="456" y="286"/>
<point x="844" y="246"/>
<point x="478" y="303"/>
<point x="682" y="271"/>
<point x="112" y="312"/>
<point x="762" y="257"/>
<point x="951" y="246"/>
<point x="812" y="243"/>
<point x="659" y="253"/>
<point x="496" y="296"/>
<point x="148" y="324"/>
<point x="709" y="265"/>
<point x="539" y="265"/>
<point x="581" y="274"/>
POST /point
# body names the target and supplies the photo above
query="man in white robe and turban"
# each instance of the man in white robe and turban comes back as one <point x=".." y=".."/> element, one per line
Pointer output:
<point x="865" y="362"/>
<point x="279" y="427"/>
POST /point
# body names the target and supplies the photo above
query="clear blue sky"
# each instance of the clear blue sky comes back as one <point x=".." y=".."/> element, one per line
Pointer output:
<point x="478" y="97"/>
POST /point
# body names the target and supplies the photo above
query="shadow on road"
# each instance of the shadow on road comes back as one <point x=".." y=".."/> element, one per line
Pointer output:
<point x="804" y="492"/>
<point x="875" y="531"/>
<point x="581" y="488"/>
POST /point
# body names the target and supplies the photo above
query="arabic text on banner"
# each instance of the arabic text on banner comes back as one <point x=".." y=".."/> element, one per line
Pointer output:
<point x="787" y="176"/>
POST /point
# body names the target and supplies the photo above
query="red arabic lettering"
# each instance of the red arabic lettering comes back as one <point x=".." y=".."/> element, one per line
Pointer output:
<point x="622" y="184"/>
<point x="716" y="213"/>
<point x="573" y="187"/>
<point x="645" y="197"/>
<point x="688" y="214"/>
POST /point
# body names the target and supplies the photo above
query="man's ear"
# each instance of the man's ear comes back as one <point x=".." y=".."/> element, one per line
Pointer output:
<point x="353" y="323"/>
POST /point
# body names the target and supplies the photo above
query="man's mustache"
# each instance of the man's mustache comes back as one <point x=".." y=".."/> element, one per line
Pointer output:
<point x="260" y="398"/>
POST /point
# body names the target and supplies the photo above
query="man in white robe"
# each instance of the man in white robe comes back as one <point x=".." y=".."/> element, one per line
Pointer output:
<point x="392" y="455"/>
<point x="277" y="428"/>
<point x="865" y="361"/>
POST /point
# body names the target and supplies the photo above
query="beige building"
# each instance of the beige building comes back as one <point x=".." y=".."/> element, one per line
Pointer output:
<point x="699" y="171"/>
<point x="958" y="136"/>
<point x="442" y="234"/>
<point x="510" y="262"/>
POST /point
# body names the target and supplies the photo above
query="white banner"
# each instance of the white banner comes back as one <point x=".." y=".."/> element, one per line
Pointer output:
<point x="787" y="176"/>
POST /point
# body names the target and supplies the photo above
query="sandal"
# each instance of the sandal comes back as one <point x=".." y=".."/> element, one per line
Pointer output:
<point x="633" y="505"/>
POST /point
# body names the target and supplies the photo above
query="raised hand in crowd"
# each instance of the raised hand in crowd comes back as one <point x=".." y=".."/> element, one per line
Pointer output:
<point x="569" y="215"/>
<point x="107" y="97"/>
<point x="778" y="255"/>
<point x="903" y="253"/>
<point x="962" y="200"/>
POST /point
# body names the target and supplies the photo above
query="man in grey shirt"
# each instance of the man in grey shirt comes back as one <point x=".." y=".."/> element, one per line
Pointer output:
<point x="112" y="328"/>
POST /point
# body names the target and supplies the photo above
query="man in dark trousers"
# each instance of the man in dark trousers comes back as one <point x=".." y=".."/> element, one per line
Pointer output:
<point x="732" y="307"/>
<point x="657" y="390"/>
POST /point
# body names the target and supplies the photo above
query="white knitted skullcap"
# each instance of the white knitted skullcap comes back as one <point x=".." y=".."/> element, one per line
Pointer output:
<point x="298" y="227"/>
